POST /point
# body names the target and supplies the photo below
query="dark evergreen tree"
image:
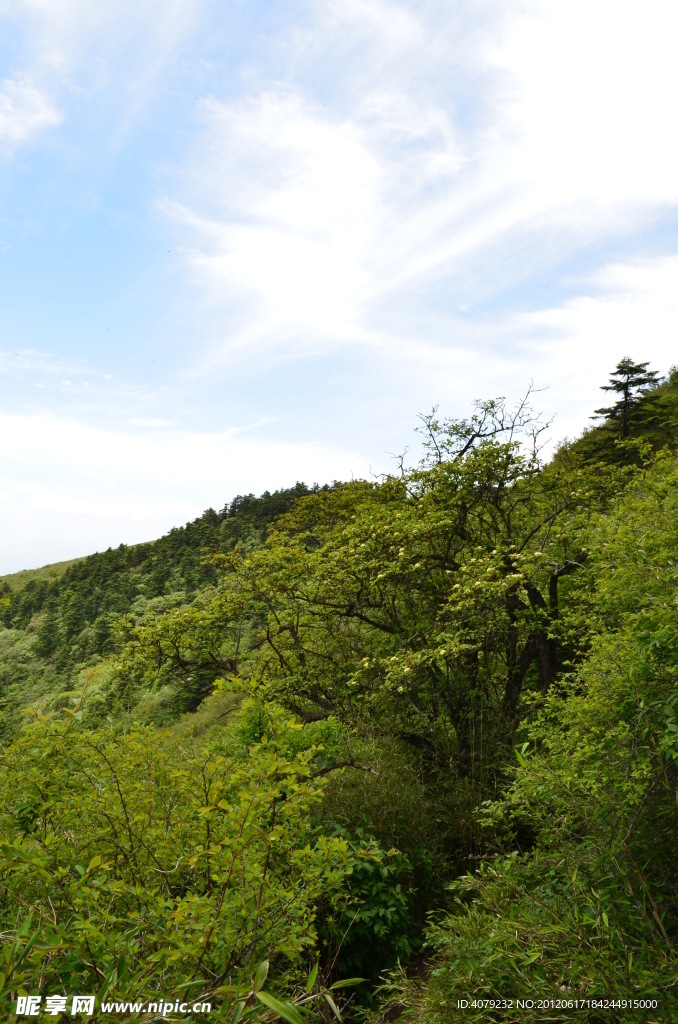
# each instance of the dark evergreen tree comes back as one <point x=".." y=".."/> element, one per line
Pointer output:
<point x="629" y="380"/>
<point x="49" y="634"/>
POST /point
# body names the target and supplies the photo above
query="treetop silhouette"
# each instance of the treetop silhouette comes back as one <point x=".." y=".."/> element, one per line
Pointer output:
<point x="629" y="380"/>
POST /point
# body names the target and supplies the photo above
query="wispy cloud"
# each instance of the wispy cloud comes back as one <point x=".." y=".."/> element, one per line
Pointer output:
<point x="417" y="203"/>
<point x="455" y="152"/>
<point x="30" y="360"/>
<point x="66" y="49"/>
<point x="289" y="231"/>
<point x="24" y="111"/>
<point x="61" y="33"/>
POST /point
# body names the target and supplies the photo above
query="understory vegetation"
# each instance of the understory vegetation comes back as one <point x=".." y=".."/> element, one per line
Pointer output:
<point x="369" y="749"/>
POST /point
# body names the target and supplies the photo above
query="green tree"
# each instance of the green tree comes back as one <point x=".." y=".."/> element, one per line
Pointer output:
<point x="423" y="611"/>
<point x="580" y="898"/>
<point x="424" y="605"/>
<point x="629" y="380"/>
<point x="49" y="633"/>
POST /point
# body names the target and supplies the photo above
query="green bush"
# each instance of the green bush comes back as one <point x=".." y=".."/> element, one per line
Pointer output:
<point x="146" y="863"/>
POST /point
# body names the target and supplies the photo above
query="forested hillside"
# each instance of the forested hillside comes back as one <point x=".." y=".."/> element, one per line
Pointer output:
<point x="420" y="731"/>
<point x="61" y="619"/>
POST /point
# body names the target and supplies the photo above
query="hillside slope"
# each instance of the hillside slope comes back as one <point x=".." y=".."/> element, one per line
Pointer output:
<point x="62" y="618"/>
<point x="425" y="720"/>
<point x="18" y="580"/>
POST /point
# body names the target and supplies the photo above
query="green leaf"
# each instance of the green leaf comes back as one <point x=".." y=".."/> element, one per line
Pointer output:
<point x="48" y="944"/>
<point x="260" y="976"/>
<point x="239" y="1007"/>
<point x="284" y="1010"/>
<point x="312" y="977"/>
<point x="332" y="1005"/>
<point x="346" y="982"/>
<point x="531" y="958"/>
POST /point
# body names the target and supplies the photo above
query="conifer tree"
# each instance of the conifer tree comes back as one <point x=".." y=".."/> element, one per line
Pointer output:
<point x="629" y="380"/>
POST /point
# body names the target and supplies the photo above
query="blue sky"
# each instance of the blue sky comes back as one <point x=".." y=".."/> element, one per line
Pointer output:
<point x="245" y="243"/>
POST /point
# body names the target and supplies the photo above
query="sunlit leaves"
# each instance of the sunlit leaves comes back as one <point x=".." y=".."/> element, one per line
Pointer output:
<point x="184" y="863"/>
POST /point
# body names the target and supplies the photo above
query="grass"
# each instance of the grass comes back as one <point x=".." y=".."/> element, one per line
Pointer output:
<point x="18" y="580"/>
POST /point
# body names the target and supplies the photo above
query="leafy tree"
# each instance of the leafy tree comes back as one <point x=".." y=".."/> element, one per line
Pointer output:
<point x="422" y="605"/>
<point x="424" y="613"/>
<point x="581" y="899"/>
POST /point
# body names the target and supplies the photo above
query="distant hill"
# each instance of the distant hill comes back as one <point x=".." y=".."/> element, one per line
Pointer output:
<point x="17" y="580"/>
<point x="72" y="605"/>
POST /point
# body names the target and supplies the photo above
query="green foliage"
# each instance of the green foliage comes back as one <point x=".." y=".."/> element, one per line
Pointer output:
<point x="373" y="928"/>
<point x="592" y="908"/>
<point x="146" y="864"/>
<point x="81" y="609"/>
<point x="446" y="695"/>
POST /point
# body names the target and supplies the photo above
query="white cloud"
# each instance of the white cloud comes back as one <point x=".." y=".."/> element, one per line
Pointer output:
<point x="67" y="48"/>
<point x="67" y="488"/>
<point x="458" y="147"/>
<point x="297" y="232"/>
<point x="24" y="111"/>
<point x="589" y="101"/>
<point x="287" y="230"/>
